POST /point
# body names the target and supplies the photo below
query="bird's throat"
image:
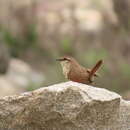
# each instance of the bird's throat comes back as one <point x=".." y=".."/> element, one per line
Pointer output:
<point x="66" y="68"/>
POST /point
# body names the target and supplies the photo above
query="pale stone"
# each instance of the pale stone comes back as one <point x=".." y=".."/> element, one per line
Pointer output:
<point x="65" y="106"/>
<point x="18" y="78"/>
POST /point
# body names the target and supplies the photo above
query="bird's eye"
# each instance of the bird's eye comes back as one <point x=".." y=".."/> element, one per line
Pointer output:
<point x="68" y="59"/>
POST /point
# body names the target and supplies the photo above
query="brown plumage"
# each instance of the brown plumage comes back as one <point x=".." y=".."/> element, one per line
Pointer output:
<point x="75" y="72"/>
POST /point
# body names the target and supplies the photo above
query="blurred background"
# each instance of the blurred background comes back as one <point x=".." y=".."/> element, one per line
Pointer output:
<point x="33" y="33"/>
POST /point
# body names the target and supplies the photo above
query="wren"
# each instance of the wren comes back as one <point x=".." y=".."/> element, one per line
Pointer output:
<point x="73" y="71"/>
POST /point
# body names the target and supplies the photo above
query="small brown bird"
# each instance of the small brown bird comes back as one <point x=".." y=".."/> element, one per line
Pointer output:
<point x="75" y="72"/>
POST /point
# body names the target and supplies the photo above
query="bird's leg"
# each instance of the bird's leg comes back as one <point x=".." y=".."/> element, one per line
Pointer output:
<point x="91" y="80"/>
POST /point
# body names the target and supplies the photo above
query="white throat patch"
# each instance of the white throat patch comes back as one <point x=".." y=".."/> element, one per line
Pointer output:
<point x="66" y="68"/>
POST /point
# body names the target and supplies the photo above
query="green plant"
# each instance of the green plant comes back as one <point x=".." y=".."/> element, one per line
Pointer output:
<point x="66" y="45"/>
<point x="125" y="69"/>
<point x="93" y="55"/>
<point x="19" y="44"/>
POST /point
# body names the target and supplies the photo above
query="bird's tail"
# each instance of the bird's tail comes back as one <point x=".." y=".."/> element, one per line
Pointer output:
<point x="94" y="69"/>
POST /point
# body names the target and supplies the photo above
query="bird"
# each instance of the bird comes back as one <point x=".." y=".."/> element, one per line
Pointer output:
<point x="73" y="71"/>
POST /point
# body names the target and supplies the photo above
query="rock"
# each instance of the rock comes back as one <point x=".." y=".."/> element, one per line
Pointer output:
<point x="19" y="77"/>
<point x="89" y="20"/>
<point x="126" y="95"/>
<point x="123" y="16"/>
<point x="4" y="57"/>
<point x="65" y="106"/>
<point x="21" y="74"/>
<point x="125" y="115"/>
<point x="8" y="88"/>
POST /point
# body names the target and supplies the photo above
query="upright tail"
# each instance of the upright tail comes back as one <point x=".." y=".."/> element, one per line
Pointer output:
<point x="94" y="69"/>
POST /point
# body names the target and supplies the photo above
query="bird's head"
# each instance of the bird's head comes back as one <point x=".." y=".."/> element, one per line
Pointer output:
<point x="66" y="63"/>
<point x="64" y="59"/>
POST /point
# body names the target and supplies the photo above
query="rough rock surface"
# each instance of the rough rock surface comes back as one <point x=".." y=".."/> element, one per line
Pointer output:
<point x="65" y="106"/>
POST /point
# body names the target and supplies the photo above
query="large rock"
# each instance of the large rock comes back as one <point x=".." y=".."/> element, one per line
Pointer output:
<point x="65" y="106"/>
<point x="19" y="77"/>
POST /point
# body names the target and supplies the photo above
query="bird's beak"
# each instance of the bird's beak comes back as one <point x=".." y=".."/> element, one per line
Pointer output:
<point x="60" y="59"/>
